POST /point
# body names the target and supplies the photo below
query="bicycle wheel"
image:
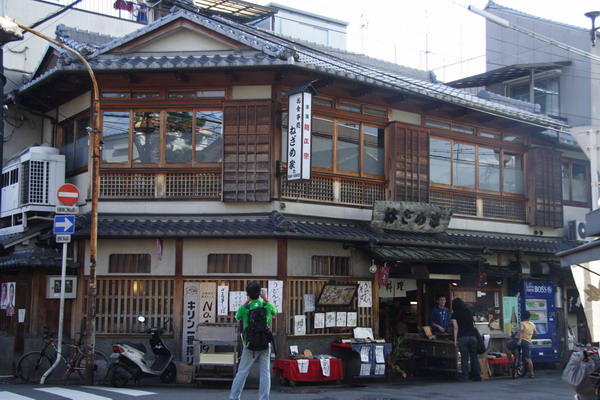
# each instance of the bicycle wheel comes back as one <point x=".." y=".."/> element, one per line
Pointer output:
<point x="32" y="366"/>
<point x="100" y="366"/>
<point x="522" y="368"/>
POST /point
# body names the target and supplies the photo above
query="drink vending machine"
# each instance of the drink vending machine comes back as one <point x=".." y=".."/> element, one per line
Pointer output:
<point x="538" y="298"/>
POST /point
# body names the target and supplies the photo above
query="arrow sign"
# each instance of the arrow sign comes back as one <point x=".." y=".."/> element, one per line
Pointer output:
<point x="64" y="224"/>
<point x="68" y="194"/>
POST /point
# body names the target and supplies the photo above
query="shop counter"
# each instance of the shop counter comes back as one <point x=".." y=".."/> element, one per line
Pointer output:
<point x="289" y="371"/>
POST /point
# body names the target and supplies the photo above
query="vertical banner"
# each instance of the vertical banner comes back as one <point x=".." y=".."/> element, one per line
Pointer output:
<point x="223" y="300"/>
<point x="365" y="294"/>
<point x="275" y="294"/>
<point x="299" y="151"/>
<point x="208" y="297"/>
<point x="191" y="291"/>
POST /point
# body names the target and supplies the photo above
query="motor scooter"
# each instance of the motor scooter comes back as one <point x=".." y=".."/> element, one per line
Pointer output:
<point x="128" y="360"/>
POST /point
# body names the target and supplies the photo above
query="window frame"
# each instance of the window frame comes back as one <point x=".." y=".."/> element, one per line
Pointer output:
<point x="73" y="123"/>
<point x="570" y="162"/>
<point x="127" y="261"/>
<point x="224" y="267"/>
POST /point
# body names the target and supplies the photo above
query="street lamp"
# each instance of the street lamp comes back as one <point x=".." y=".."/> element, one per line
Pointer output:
<point x="7" y="26"/>
<point x="592" y="15"/>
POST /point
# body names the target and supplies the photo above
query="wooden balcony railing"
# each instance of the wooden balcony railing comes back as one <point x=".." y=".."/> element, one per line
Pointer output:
<point x="475" y="205"/>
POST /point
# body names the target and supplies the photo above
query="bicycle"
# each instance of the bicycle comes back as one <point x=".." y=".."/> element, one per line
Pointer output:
<point x="517" y="364"/>
<point x="34" y="364"/>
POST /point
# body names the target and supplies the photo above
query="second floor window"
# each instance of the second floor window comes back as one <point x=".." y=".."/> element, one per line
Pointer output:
<point x="346" y="147"/>
<point x="475" y="167"/>
<point x="230" y="263"/>
<point x="129" y="263"/>
<point x="162" y="137"/>
<point x="331" y="266"/>
<point x="545" y="91"/>
<point x="575" y="182"/>
<point x="75" y="144"/>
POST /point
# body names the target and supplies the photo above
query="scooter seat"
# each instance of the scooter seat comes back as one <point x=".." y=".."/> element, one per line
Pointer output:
<point x="138" y="346"/>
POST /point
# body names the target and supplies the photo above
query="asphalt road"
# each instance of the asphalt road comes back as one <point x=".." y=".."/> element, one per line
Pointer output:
<point x="546" y="385"/>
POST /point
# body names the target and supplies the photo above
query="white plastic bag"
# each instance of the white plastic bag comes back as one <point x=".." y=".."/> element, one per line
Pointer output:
<point x="576" y="375"/>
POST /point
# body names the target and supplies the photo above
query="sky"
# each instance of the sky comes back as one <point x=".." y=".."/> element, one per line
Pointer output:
<point x="438" y="35"/>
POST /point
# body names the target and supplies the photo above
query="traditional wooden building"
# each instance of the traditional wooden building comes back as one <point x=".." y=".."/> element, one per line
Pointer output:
<point x="195" y="199"/>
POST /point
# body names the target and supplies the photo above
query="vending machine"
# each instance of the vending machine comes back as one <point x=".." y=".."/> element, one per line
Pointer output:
<point x="538" y="298"/>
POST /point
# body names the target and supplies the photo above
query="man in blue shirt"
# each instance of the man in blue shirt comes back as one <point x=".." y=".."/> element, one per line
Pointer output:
<point x="439" y="316"/>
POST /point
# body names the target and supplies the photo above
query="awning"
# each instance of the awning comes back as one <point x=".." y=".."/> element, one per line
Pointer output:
<point x="423" y="254"/>
<point x="585" y="267"/>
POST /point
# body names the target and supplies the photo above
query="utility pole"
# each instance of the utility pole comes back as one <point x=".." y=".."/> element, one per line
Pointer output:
<point x="94" y="131"/>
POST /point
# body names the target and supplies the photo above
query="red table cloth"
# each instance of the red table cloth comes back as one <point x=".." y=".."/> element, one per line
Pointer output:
<point x="289" y="370"/>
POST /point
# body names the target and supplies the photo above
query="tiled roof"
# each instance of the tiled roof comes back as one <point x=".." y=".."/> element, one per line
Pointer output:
<point x="491" y="5"/>
<point x="268" y="49"/>
<point x="276" y="225"/>
<point x="7" y="241"/>
<point x="34" y="258"/>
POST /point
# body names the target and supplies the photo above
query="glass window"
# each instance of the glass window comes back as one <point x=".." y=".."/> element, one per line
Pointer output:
<point x="115" y="134"/>
<point x="348" y="147"/>
<point x="375" y="111"/>
<point x="179" y="137"/>
<point x="116" y="95"/>
<point x="489" y="169"/>
<point x="579" y="183"/>
<point x="209" y="136"/>
<point x="146" y="137"/>
<point x="514" y="178"/>
<point x="331" y="266"/>
<point x="230" y="263"/>
<point x="182" y="94"/>
<point x="322" y="149"/>
<point x="440" y="162"/>
<point x="546" y="93"/>
<point x="75" y="143"/>
<point x="566" y="181"/>
<point x="68" y="133"/>
<point x="373" y="141"/>
<point x="464" y="165"/>
<point x="349" y="107"/>
<point x="129" y="263"/>
<point x="437" y="124"/>
<point x="319" y="101"/>
<point x="575" y="182"/>
<point x="463" y="129"/>
<point x="146" y="95"/>
<point x="491" y="135"/>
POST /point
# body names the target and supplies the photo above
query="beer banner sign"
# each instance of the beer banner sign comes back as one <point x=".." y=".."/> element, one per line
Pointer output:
<point x="299" y="139"/>
<point x="410" y="216"/>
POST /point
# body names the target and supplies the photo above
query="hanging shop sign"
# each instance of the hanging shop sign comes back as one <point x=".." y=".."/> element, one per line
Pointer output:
<point x="299" y="139"/>
<point x="410" y="216"/>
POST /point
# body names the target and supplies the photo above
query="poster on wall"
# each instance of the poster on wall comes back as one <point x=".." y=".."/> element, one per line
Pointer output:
<point x="275" y="294"/>
<point x="397" y="287"/>
<point x="10" y="304"/>
<point x="299" y="325"/>
<point x="351" y="319"/>
<point x="330" y="319"/>
<point x="236" y="300"/>
<point x="223" y="300"/>
<point x="340" y="319"/>
<point x="510" y="314"/>
<point x="319" y="320"/>
<point x="365" y="294"/>
<point x="191" y="298"/>
<point x="309" y="303"/>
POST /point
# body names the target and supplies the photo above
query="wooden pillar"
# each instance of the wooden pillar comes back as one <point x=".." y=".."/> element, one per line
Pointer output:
<point x="283" y="318"/>
<point x="375" y="316"/>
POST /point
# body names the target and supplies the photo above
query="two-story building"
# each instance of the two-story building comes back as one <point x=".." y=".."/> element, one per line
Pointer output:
<point x="446" y="191"/>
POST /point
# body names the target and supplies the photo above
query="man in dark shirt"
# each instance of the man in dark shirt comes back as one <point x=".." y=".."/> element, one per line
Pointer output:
<point x="439" y="316"/>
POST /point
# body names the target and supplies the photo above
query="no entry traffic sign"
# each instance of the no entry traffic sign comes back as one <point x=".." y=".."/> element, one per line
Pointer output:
<point x="68" y="194"/>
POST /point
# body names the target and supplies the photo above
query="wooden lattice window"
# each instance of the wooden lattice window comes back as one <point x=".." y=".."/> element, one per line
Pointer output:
<point x="331" y="266"/>
<point x="129" y="263"/>
<point x="230" y="263"/>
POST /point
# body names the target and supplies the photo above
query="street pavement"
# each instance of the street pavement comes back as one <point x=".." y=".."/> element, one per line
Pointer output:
<point x="546" y="385"/>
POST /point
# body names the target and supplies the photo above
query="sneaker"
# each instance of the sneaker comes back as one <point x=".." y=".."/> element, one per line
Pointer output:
<point x="531" y="375"/>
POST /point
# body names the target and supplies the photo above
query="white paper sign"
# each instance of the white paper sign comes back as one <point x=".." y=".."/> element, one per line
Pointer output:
<point x="365" y="354"/>
<point x="352" y="317"/>
<point x="379" y="358"/>
<point x="379" y="369"/>
<point x="222" y="300"/>
<point x="340" y="319"/>
<point x="303" y="366"/>
<point x="365" y="369"/>
<point x="276" y="294"/>
<point x="236" y="300"/>
<point x="397" y="287"/>
<point x="330" y="319"/>
<point x="319" y="320"/>
<point x="325" y="366"/>
<point x="299" y="325"/>
<point x="365" y="294"/>
<point x="309" y="303"/>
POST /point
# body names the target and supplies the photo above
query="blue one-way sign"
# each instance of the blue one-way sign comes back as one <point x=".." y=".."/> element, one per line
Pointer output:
<point x="64" y="224"/>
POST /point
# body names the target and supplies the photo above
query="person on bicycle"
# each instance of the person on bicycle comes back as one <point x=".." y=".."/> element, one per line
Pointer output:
<point x="527" y="331"/>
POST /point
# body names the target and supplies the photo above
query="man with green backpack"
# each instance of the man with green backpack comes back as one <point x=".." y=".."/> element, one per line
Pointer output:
<point x="256" y="313"/>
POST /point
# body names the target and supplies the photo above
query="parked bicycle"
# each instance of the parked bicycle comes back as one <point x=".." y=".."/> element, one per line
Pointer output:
<point x="34" y="364"/>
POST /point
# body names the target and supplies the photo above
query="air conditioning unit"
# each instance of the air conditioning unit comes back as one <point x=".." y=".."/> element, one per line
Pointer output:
<point x="576" y="230"/>
<point x="31" y="180"/>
